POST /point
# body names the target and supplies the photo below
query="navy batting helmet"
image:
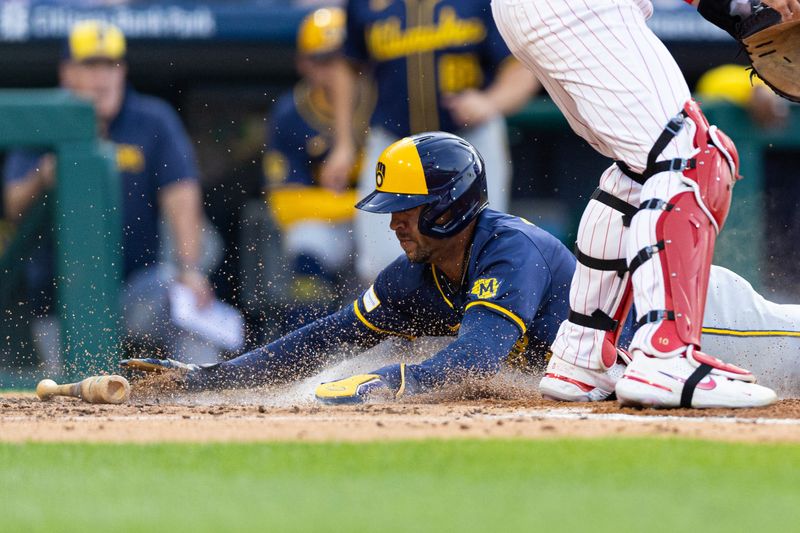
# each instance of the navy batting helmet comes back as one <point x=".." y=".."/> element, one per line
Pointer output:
<point x="439" y="170"/>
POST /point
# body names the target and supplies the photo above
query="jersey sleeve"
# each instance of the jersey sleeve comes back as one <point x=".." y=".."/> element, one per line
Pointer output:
<point x="19" y="163"/>
<point x="290" y="357"/>
<point x="495" y="50"/>
<point x="286" y="160"/>
<point x="382" y="307"/>
<point x="174" y="154"/>
<point x="483" y="344"/>
<point x="512" y="283"/>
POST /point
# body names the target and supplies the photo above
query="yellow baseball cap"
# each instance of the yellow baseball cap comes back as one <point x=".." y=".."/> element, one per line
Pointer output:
<point x="727" y="82"/>
<point x="94" y="39"/>
<point x="321" y="32"/>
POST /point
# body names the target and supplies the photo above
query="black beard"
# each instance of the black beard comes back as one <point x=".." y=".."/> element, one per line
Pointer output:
<point x="420" y="256"/>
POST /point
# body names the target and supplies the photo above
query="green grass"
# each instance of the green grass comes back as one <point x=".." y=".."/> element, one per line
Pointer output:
<point x="501" y="485"/>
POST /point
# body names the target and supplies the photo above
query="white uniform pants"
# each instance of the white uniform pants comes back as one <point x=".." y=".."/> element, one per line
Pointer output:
<point x="618" y="86"/>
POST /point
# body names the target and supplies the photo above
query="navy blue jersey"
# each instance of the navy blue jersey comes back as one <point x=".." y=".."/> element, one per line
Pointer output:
<point x="153" y="151"/>
<point x="515" y="270"/>
<point x="420" y="50"/>
<point x="514" y="295"/>
<point x="300" y="134"/>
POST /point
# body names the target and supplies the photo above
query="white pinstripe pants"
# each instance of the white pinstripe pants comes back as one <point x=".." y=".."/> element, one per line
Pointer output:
<point x="618" y="86"/>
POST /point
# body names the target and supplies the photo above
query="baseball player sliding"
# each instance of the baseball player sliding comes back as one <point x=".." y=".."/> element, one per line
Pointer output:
<point x="496" y="283"/>
<point x="648" y="232"/>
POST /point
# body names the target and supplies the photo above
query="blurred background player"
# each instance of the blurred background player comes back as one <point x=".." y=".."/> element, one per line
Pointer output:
<point x="315" y="219"/>
<point x="438" y="65"/>
<point x="156" y="164"/>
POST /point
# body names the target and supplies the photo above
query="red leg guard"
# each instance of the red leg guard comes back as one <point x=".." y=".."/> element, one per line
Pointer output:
<point x="610" y="352"/>
<point x="688" y="231"/>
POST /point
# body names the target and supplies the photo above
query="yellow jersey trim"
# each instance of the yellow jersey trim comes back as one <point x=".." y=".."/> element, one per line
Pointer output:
<point x="517" y="320"/>
<point x="373" y="327"/>
<point x="436" y="281"/>
<point x="752" y="333"/>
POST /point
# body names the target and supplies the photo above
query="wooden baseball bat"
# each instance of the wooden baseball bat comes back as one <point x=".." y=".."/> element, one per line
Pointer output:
<point x="96" y="389"/>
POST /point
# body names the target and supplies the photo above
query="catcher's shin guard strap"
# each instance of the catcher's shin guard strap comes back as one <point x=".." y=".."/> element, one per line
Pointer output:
<point x="655" y="316"/>
<point x="673" y="127"/>
<point x="644" y="254"/>
<point x="598" y="320"/>
<point x="628" y="171"/>
<point x="616" y="204"/>
<point x="656" y="203"/>
<point x="620" y="266"/>
<point x="691" y="384"/>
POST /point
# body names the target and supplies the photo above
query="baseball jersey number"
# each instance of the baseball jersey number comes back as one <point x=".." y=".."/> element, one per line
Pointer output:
<point x="458" y="72"/>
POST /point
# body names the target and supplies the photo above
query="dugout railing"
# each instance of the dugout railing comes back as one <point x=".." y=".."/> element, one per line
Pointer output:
<point x="84" y="213"/>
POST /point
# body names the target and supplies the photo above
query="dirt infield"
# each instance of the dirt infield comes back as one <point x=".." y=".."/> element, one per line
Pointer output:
<point x="232" y="418"/>
<point x="506" y="406"/>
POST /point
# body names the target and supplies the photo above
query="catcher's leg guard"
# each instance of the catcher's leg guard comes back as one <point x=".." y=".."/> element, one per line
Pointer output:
<point x="600" y="295"/>
<point x="669" y="254"/>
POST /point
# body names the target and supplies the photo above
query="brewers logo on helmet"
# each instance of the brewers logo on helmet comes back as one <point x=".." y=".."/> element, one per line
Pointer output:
<point x="439" y="170"/>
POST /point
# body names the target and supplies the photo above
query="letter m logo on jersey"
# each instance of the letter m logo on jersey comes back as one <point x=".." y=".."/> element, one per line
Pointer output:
<point x="485" y="288"/>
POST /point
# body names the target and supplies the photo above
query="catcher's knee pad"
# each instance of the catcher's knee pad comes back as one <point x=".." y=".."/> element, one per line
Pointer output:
<point x="686" y="230"/>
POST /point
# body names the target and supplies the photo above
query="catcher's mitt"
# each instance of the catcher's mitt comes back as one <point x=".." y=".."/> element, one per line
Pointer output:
<point x="774" y="50"/>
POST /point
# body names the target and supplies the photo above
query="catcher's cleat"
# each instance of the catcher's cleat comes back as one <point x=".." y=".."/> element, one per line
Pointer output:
<point x="693" y="379"/>
<point x="151" y="364"/>
<point x="565" y="382"/>
<point x="360" y="388"/>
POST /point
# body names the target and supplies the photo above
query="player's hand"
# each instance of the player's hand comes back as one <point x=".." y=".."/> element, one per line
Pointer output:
<point x="388" y="383"/>
<point x="355" y="389"/>
<point x="199" y="285"/>
<point x="151" y="364"/>
<point x="46" y="170"/>
<point x="470" y="108"/>
<point x="789" y="9"/>
<point x="335" y="172"/>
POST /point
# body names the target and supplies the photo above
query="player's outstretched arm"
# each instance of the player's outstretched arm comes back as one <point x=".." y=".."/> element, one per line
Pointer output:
<point x="484" y="342"/>
<point x="293" y="356"/>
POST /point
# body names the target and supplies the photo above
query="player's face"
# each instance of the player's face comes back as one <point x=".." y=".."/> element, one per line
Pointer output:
<point x="100" y="82"/>
<point x="319" y="72"/>
<point x="418" y="247"/>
